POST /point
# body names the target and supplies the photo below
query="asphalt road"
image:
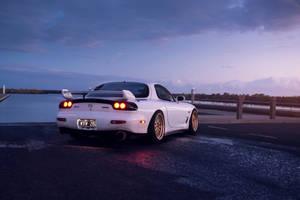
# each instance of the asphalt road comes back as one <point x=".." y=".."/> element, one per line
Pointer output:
<point x="260" y="161"/>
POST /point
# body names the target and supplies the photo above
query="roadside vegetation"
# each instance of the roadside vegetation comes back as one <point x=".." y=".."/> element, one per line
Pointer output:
<point x="29" y="91"/>
<point x="225" y="97"/>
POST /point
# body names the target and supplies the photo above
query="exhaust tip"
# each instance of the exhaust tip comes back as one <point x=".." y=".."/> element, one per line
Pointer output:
<point x="122" y="135"/>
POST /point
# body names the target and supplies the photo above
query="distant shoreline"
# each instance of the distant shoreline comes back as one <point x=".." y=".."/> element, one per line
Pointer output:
<point x="226" y="97"/>
<point x="31" y="91"/>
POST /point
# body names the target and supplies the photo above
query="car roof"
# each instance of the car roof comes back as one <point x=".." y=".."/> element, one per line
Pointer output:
<point x="152" y="92"/>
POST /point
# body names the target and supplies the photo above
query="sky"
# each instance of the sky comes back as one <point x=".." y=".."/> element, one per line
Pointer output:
<point x="236" y="46"/>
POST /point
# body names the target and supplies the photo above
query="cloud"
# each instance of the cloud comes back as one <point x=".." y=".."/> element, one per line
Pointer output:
<point x="16" y="68"/>
<point x="25" y="25"/>
<point x="227" y="67"/>
<point x="280" y="86"/>
<point x="27" y="68"/>
<point x="287" y="86"/>
<point x="27" y="76"/>
<point x="85" y="56"/>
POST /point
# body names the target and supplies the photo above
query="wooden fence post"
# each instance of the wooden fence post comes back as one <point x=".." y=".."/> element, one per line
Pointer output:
<point x="273" y="108"/>
<point x="239" y="108"/>
<point x="193" y="95"/>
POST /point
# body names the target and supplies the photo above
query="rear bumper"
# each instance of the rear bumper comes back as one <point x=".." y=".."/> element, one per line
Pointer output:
<point x="64" y="130"/>
<point x="103" y="121"/>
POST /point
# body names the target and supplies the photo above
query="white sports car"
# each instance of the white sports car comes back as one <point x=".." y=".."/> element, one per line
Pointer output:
<point x="126" y="107"/>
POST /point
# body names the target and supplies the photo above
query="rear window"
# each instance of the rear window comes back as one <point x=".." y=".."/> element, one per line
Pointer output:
<point x="140" y="90"/>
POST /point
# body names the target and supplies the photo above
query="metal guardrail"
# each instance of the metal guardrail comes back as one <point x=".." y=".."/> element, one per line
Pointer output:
<point x="239" y="108"/>
<point x="265" y="103"/>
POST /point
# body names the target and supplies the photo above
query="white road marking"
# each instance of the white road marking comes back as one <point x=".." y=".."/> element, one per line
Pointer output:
<point x="219" y="141"/>
<point x="30" y="145"/>
<point x="263" y="136"/>
<point x="216" y="127"/>
<point x="208" y="140"/>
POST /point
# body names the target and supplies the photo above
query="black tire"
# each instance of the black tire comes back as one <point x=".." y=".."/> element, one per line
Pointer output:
<point x="193" y="128"/>
<point x="156" y="134"/>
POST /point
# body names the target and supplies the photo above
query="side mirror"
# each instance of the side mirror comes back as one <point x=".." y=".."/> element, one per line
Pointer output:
<point x="180" y="98"/>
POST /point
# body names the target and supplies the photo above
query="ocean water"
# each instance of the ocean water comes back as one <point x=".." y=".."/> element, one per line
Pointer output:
<point x="30" y="108"/>
<point x="44" y="108"/>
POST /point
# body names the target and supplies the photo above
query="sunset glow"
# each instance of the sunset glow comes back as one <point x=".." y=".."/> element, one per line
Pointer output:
<point x="214" y="46"/>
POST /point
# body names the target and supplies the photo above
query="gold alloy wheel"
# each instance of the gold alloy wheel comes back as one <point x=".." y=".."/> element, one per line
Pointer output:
<point x="159" y="126"/>
<point x="195" y="121"/>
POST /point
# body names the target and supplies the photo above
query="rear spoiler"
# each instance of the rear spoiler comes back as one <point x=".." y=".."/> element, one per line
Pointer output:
<point x="124" y="94"/>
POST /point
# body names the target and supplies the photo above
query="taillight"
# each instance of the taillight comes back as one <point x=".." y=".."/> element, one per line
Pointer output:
<point x="116" y="105"/>
<point x="124" y="106"/>
<point x="66" y="104"/>
<point x="119" y="105"/>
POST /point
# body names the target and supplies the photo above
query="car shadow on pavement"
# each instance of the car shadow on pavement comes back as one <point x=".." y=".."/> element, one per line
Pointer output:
<point x="112" y="142"/>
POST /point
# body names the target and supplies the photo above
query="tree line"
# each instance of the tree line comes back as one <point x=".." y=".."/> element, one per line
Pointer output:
<point x="227" y="97"/>
<point x="29" y="91"/>
<point x="259" y="97"/>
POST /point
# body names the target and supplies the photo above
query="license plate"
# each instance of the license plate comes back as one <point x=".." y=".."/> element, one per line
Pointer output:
<point x="87" y="124"/>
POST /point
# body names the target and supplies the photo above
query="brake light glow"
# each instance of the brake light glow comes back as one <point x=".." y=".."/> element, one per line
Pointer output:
<point x="126" y="106"/>
<point x="66" y="104"/>
<point x="116" y="105"/>
<point x="122" y="106"/>
<point x="70" y="104"/>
